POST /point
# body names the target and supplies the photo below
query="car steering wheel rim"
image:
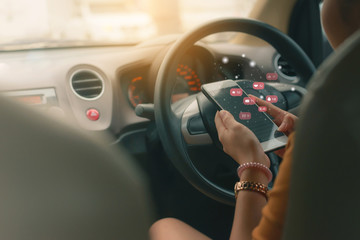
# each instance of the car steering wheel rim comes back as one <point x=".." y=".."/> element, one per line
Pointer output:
<point x="168" y="122"/>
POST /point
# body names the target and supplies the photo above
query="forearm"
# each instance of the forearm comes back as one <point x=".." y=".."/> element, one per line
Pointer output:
<point x="248" y="207"/>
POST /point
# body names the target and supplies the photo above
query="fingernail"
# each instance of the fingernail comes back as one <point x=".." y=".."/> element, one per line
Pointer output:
<point x="282" y="126"/>
<point x="253" y="97"/>
<point x="222" y="113"/>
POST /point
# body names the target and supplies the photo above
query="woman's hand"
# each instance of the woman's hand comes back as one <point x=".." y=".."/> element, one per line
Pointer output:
<point x="284" y="120"/>
<point x="238" y="141"/>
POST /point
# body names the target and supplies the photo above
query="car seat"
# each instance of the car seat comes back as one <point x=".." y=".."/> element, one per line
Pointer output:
<point x="325" y="179"/>
<point x="57" y="182"/>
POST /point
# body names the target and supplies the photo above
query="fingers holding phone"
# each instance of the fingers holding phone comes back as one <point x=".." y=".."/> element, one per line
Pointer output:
<point x="238" y="141"/>
<point x="284" y="120"/>
<point x="228" y="95"/>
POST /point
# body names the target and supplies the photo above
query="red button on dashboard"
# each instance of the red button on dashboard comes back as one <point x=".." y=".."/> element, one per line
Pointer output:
<point x="92" y="114"/>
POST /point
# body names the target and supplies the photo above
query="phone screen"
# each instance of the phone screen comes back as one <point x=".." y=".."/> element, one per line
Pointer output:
<point x="245" y="111"/>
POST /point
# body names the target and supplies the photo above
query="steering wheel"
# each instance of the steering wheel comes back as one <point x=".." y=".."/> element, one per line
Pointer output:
<point x="186" y="128"/>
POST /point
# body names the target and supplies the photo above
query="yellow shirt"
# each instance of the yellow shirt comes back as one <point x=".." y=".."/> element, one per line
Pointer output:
<point x="273" y="214"/>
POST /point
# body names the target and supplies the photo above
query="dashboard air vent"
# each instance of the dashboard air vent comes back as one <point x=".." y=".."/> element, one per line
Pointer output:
<point x="87" y="84"/>
<point x="284" y="67"/>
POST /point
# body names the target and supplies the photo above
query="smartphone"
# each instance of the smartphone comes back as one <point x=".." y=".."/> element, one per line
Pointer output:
<point x="228" y="95"/>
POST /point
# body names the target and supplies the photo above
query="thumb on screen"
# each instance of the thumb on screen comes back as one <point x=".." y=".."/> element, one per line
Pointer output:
<point x="283" y="126"/>
<point x="227" y="119"/>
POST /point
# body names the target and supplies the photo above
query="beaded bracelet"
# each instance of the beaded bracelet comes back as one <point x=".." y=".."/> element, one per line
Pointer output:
<point x="259" y="166"/>
<point x="251" y="186"/>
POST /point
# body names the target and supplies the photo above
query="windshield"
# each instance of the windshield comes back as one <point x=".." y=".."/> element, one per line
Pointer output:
<point x="42" y="23"/>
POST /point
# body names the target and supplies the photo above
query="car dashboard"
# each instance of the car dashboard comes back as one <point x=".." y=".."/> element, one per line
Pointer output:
<point x="98" y="88"/>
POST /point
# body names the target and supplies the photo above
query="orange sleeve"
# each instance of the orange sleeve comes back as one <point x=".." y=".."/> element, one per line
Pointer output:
<point x="273" y="214"/>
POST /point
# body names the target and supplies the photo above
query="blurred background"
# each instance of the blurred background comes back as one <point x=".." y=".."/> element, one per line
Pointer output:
<point x="121" y="21"/>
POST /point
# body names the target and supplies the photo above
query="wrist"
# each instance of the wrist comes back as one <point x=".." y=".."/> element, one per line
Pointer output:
<point x="254" y="175"/>
<point x="250" y="186"/>
<point x="258" y="158"/>
<point x="255" y="165"/>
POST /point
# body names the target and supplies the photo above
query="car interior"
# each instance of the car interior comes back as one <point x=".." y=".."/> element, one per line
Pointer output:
<point x="98" y="141"/>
